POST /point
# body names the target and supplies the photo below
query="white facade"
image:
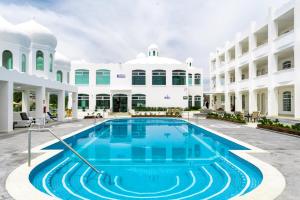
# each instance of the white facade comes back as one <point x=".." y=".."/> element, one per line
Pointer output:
<point x="124" y="80"/>
<point x="259" y="70"/>
<point x="27" y="53"/>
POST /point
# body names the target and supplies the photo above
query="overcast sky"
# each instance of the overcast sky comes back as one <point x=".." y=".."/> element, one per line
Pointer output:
<point x="117" y="30"/>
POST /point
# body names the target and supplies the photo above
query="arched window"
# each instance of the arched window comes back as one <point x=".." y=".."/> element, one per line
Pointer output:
<point x="138" y="100"/>
<point x="190" y="79"/>
<point x="197" y="79"/>
<point x="190" y="101"/>
<point x="83" y="101"/>
<point x="23" y="63"/>
<point x="7" y="59"/>
<point x="39" y="60"/>
<point x="51" y="63"/>
<point x="82" y="77"/>
<point x="158" y="77"/>
<point x="103" y="101"/>
<point x="287" y="101"/>
<point x="197" y="99"/>
<point x="287" y="64"/>
<point x="102" y="77"/>
<point x="138" y="77"/>
<point x="179" y="77"/>
<point x="59" y="76"/>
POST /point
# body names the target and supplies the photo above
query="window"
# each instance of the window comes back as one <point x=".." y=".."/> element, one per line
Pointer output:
<point x="287" y="101"/>
<point x="81" y="77"/>
<point x="190" y="79"/>
<point x="51" y="63"/>
<point x="190" y="101"/>
<point x="138" y="100"/>
<point x="39" y="65"/>
<point x="102" y="101"/>
<point x="7" y="59"/>
<point x="198" y="101"/>
<point x="83" y="101"/>
<point x="178" y="77"/>
<point x="287" y="65"/>
<point x="158" y="77"/>
<point x="197" y="79"/>
<point x="59" y="76"/>
<point x="102" y="77"/>
<point x="23" y="63"/>
<point x="138" y="77"/>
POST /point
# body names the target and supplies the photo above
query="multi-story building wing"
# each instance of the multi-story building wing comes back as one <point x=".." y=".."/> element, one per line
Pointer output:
<point x="147" y="81"/>
<point x="260" y="69"/>
<point x="30" y="68"/>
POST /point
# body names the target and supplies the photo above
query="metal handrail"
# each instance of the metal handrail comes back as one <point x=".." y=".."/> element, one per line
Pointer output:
<point x="68" y="146"/>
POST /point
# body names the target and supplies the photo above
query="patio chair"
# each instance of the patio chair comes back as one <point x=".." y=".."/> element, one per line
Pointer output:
<point x="255" y="116"/>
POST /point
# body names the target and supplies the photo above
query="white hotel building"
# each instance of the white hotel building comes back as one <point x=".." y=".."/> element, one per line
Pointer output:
<point x="31" y="66"/>
<point x="147" y="81"/>
<point x="260" y="69"/>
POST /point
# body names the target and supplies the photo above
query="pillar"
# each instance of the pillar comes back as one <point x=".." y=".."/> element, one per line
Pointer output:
<point x="6" y="106"/>
<point x="252" y="101"/>
<point x="238" y="101"/>
<point x="25" y="101"/>
<point x="40" y="102"/>
<point x="74" y="105"/>
<point x="61" y="105"/>
<point x="227" y="102"/>
<point x="272" y="101"/>
<point x="47" y="101"/>
<point x="129" y="100"/>
<point x="297" y="60"/>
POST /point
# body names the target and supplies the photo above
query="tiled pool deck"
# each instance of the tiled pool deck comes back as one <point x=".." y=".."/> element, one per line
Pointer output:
<point x="284" y="150"/>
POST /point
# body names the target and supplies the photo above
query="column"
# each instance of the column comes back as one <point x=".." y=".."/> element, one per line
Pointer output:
<point x="47" y="101"/>
<point x="297" y="60"/>
<point x="129" y="100"/>
<point x="272" y="101"/>
<point x="238" y="101"/>
<point x="61" y="105"/>
<point x="25" y="101"/>
<point x="6" y="106"/>
<point x="40" y="102"/>
<point x="74" y="105"/>
<point x="252" y="101"/>
<point x="227" y="102"/>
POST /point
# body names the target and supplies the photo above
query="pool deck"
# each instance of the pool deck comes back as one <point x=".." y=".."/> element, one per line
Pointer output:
<point x="283" y="150"/>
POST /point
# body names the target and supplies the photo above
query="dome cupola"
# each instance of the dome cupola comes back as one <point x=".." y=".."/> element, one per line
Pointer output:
<point x="10" y="33"/>
<point x="153" y="50"/>
<point x="189" y="61"/>
<point x="38" y="33"/>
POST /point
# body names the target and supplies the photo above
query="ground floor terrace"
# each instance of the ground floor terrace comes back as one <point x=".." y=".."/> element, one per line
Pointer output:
<point x="281" y="101"/>
<point x="35" y="96"/>
<point x="283" y="151"/>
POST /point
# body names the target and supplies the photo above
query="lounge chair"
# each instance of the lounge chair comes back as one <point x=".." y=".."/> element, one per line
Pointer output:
<point x="53" y="117"/>
<point x="23" y="121"/>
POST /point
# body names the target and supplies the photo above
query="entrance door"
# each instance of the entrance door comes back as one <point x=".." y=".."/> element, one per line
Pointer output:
<point x="120" y="103"/>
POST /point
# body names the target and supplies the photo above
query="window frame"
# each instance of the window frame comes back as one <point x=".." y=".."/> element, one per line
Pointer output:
<point x="159" y="74"/>
<point x="138" y="77"/>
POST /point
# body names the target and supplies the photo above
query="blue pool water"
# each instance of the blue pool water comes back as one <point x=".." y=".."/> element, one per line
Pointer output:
<point x="147" y="159"/>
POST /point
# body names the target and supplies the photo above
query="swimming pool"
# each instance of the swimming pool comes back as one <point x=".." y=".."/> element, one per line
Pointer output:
<point x="147" y="159"/>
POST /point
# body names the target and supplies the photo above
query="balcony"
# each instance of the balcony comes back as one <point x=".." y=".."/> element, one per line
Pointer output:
<point x="232" y="86"/>
<point x="244" y="84"/>
<point x="284" y="41"/>
<point x="261" y="51"/>
<point x="261" y="81"/>
<point x="244" y="59"/>
<point x="284" y="77"/>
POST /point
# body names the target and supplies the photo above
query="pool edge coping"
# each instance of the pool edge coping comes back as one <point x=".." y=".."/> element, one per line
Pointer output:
<point x="273" y="183"/>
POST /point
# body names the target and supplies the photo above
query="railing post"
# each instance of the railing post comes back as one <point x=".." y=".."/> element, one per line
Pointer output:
<point x="29" y="148"/>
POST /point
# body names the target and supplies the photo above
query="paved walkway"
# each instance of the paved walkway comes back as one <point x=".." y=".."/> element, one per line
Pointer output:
<point x="284" y="150"/>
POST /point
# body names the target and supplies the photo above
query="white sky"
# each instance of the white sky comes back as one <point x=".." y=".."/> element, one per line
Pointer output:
<point x="117" y="30"/>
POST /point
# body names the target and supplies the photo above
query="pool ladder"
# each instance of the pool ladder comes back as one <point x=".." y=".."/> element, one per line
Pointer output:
<point x="62" y="141"/>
